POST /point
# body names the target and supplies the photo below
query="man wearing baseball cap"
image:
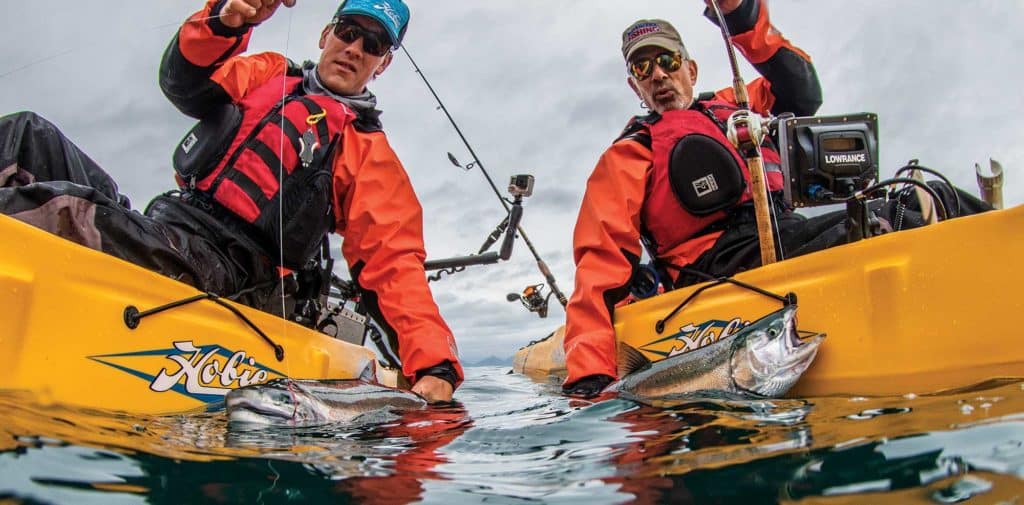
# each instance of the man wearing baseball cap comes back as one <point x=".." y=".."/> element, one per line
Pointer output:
<point x="282" y="155"/>
<point x="331" y="125"/>
<point x="638" y="191"/>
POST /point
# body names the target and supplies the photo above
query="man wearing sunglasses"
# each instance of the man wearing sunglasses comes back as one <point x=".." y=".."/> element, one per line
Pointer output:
<point x="328" y="126"/>
<point x="283" y="154"/>
<point x="632" y="196"/>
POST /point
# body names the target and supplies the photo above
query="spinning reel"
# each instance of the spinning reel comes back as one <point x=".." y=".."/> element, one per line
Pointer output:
<point x="533" y="299"/>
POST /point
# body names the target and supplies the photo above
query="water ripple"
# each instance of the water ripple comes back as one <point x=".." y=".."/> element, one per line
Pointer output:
<point x="511" y="440"/>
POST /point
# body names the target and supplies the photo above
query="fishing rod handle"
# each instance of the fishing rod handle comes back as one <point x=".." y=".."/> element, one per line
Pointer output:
<point x="765" y="236"/>
<point x="543" y="267"/>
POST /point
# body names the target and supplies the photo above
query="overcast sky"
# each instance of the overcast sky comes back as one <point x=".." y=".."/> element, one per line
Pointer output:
<point x="537" y="86"/>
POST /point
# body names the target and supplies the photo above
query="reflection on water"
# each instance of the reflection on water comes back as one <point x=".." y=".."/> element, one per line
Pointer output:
<point x="511" y="440"/>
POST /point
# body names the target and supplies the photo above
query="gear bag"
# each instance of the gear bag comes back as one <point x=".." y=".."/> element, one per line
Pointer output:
<point x="206" y="143"/>
<point x="704" y="175"/>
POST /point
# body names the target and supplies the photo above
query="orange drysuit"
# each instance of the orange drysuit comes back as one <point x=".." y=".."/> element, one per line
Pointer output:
<point x="375" y="207"/>
<point x="606" y="241"/>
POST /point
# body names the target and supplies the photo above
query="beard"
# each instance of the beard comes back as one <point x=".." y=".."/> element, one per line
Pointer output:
<point x="677" y="100"/>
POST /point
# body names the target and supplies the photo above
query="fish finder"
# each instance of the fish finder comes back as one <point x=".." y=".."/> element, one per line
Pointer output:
<point x="828" y="159"/>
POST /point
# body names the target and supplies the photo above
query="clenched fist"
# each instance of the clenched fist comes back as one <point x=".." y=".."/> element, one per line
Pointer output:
<point x="239" y="12"/>
<point x="726" y="6"/>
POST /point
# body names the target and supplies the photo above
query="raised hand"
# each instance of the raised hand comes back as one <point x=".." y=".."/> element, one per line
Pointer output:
<point x="236" y="13"/>
<point x="726" y="6"/>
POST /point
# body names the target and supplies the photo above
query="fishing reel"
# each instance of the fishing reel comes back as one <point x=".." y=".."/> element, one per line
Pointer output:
<point x="746" y="129"/>
<point x="533" y="299"/>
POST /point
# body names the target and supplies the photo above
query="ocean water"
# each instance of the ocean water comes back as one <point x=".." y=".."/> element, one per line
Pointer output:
<point x="512" y="440"/>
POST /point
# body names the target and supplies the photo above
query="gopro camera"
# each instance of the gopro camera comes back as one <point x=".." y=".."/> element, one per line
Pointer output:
<point x="521" y="185"/>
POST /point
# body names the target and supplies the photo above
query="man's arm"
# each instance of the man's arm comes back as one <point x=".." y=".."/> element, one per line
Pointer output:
<point x="382" y="222"/>
<point x="606" y="244"/>
<point x="201" y="68"/>
<point x="790" y="82"/>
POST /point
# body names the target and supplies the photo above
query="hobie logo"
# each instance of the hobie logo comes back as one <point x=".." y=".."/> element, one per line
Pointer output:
<point x="390" y="13"/>
<point x="204" y="374"/>
<point x="694" y="336"/>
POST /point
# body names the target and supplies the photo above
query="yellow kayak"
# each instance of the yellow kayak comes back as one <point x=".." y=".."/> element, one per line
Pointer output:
<point x="910" y="312"/>
<point x="66" y="338"/>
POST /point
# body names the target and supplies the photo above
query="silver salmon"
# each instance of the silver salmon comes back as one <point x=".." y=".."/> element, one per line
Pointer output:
<point x="288" y="402"/>
<point x="765" y="359"/>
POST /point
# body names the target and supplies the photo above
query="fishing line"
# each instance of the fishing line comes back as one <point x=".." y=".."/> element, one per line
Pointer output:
<point x="541" y="265"/>
<point x="280" y="207"/>
<point x="273" y="485"/>
<point x="280" y="174"/>
<point x="32" y="64"/>
<point x="775" y="218"/>
<point x="94" y="44"/>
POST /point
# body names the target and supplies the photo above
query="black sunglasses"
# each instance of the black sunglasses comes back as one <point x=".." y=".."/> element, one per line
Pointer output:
<point x="375" y="43"/>
<point x="642" y="68"/>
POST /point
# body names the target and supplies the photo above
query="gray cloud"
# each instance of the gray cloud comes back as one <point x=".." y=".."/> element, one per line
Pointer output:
<point x="537" y="87"/>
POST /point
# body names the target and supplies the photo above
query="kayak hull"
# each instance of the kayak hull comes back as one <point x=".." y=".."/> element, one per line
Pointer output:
<point x="66" y="340"/>
<point x="910" y="312"/>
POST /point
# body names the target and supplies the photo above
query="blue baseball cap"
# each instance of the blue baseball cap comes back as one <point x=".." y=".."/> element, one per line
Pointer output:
<point x="393" y="15"/>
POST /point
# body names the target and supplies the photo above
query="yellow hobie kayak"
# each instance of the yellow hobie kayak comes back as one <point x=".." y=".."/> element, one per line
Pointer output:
<point x="910" y="312"/>
<point x="65" y="336"/>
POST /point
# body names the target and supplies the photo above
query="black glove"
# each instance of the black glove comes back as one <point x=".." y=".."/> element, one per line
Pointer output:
<point x="445" y="371"/>
<point x="588" y="387"/>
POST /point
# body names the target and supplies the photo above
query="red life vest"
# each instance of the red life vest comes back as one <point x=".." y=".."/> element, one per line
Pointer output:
<point x="290" y="210"/>
<point x="664" y="214"/>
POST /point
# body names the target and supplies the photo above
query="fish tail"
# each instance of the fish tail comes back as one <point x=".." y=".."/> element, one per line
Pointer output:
<point x="630" y="359"/>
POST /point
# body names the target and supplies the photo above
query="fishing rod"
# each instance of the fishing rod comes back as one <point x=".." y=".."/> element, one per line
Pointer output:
<point x="746" y="133"/>
<point x="541" y="265"/>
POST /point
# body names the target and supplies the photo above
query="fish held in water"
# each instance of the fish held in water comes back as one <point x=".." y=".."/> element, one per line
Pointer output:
<point x="764" y="359"/>
<point x="300" y="403"/>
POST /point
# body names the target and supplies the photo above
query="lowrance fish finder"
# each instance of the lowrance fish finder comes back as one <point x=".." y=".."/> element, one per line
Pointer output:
<point x="827" y="159"/>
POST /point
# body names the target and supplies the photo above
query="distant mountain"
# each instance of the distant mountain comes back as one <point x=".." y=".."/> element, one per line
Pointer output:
<point x="492" y="361"/>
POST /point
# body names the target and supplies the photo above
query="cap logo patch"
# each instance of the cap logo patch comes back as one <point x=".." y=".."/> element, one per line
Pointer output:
<point x="389" y="12"/>
<point x="642" y="29"/>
